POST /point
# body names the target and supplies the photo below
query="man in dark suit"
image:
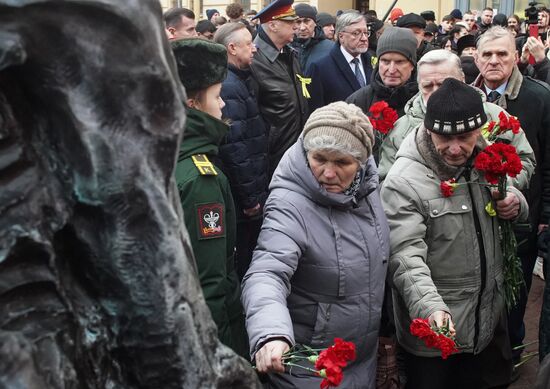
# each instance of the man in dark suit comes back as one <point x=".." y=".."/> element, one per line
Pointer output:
<point x="347" y="67"/>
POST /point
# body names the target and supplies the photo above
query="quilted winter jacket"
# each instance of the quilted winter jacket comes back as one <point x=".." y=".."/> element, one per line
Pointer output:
<point x="243" y="152"/>
<point x="318" y="270"/>
<point x="415" y="111"/>
<point x="436" y="262"/>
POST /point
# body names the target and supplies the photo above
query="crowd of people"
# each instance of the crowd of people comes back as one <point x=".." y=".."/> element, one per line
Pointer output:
<point x="308" y="223"/>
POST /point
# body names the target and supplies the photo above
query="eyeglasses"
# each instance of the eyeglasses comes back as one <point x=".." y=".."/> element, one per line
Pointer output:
<point x="357" y="34"/>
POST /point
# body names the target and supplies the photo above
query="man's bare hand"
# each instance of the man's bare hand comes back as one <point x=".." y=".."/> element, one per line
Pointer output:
<point x="440" y="319"/>
<point x="507" y="208"/>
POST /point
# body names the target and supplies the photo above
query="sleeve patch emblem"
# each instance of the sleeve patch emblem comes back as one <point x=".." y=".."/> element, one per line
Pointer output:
<point x="211" y="218"/>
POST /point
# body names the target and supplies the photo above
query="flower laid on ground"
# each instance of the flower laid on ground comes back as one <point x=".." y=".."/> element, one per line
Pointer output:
<point x="382" y="117"/>
<point x="434" y="337"/>
<point x="497" y="162"/>
<point x="492" y="130"/>
<point x="328" y="362"/>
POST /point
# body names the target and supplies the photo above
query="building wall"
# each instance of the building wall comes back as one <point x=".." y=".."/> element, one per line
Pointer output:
<point x="440" y="7"/>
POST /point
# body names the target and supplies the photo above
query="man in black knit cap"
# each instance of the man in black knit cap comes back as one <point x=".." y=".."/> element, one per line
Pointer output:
<point x="445" y="260"/>
<point x="417" y="25"/>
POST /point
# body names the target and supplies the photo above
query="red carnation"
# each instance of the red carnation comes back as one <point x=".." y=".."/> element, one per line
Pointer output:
<point x="448" y="187"/>
<point x="498" y="160"/>
<point x="503" y="121"/>
<point x="433" y="338"/>
<point x="377" y="108"/>
<point x="333" y="376"/>
<point x="382" y="117"/>
<point x="491" y="126"/>
<point x="344" y="350"/>
<point x="514" y="124"/>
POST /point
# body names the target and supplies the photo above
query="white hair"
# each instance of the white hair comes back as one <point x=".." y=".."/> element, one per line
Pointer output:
<point x="329" y="143"/>
<point x="438" y="57"/>
<point x="495" y="32"/>
<point x="346" y="19"/>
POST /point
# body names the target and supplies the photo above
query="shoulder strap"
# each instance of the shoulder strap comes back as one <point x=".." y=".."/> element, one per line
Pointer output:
<point x="203" y="165"/>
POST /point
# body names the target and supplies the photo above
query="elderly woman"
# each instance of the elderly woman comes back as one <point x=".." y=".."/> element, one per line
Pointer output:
<point x="319" y="267"/>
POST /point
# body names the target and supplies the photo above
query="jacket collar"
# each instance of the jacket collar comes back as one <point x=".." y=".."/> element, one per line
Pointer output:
<point x="512" y="89"/>
<point x="241" y="73"/>
<point x="203" y="134"/>
<point x="266" y="47"/>
<point x="293" y="173"/>
<point x="419" y="147"/>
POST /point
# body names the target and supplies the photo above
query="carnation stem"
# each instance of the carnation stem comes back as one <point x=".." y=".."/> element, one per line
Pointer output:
<point x="300" y="366"/>
<point x="524" y="345"/>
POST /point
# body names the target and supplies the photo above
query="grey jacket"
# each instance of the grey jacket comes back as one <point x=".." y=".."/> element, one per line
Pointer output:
<point x="318" y="270"/>
<point x="436" y="262"/>
<point x="415" y="111"/>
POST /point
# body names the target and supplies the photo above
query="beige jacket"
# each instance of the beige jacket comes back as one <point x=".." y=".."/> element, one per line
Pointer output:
<point x="436" y="260"/>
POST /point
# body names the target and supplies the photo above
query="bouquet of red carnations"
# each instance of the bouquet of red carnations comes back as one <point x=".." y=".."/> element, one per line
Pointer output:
<point x="328" y="362"/>
<point x="434" y="337"/>
<point x="382" y="117"/>
<point x="497" y="162"/>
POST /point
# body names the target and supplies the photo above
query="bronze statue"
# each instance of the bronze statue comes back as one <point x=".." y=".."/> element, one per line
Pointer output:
<point x="97" y="281"/>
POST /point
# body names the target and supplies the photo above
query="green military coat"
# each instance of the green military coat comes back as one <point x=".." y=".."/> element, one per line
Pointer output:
<point x="209" y="215"/>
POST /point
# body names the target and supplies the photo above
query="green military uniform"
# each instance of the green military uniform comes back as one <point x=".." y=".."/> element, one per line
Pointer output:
<point x="210" y="219"/>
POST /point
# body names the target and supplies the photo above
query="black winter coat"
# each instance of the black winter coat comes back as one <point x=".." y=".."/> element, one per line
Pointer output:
<point x="311" y="50"/>
<point x="243" y="152"/>
<point x="280" y="97"/>
<point x="529" y="100"/>
<point x="376" y="91"/>
<point x="396" y="97"/>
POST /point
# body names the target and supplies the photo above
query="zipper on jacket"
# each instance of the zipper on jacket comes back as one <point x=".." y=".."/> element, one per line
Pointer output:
<point x="483" y="263"/>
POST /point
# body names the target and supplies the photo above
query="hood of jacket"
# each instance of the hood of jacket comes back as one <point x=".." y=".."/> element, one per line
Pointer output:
<point x="203" y="134"/>
<point x="293" y="173"/>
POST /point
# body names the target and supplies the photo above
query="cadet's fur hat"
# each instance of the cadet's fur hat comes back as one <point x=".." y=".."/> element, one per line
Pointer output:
<point x="346" y="123"/>
<point x="455" y="108"/>
<point x="201" y="63"/>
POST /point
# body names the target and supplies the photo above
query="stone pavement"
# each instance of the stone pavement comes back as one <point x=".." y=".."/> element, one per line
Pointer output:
<point x="528" y="371"/>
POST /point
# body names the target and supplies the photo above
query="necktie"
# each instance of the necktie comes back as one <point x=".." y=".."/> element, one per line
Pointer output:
<point x="358" y="74"/>
<point x="493" y="96"/>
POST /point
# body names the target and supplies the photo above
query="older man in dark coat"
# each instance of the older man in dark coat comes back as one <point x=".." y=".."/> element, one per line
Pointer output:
<point x="529" y="100"/>
<point x="282" y="87"/>
<point x="347" y="67"/>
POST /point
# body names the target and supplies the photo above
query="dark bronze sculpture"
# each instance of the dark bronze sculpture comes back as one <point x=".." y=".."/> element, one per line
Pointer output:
<point x="97" y="282"/>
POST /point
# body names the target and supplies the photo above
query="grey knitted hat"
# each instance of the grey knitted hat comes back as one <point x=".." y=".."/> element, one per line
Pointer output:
<point x="398" y="40"/>
<point x="346" y="123"/>
<point x="455" y="108"/>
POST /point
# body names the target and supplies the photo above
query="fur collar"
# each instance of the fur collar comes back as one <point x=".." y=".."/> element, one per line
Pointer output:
<point x="512" y="89"/>
<point x="433" y="160"/>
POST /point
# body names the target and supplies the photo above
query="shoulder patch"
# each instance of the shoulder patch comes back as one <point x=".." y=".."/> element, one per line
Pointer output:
<point x="204" y="166"/>
<point x="211" y="220"/>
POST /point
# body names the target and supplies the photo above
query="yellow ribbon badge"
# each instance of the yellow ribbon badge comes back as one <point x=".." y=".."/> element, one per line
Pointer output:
<point x="305" y="81"/>
<point x="373" y="61"/>
<point x="489" y="209"/>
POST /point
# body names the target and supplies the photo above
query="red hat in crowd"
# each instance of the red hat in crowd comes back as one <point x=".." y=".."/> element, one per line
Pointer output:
<point x="395" y="14"/>
<point x="278" y="10"/>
